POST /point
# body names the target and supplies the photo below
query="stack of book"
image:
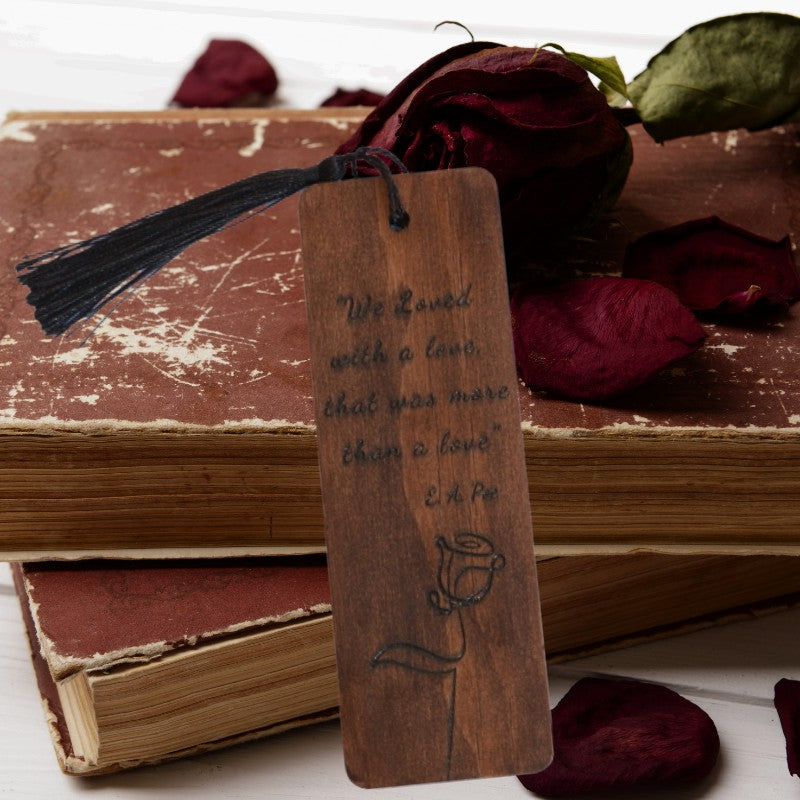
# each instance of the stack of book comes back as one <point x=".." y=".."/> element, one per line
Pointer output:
<point x="181" y="426"/>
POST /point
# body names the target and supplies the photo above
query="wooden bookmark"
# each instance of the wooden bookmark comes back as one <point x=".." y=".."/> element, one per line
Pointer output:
<point x="436" y="606"/>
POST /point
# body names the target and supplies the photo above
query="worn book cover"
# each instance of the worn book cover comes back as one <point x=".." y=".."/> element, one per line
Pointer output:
<point x="182" y="424"/>
<point x="142" y="661"/>
<point x="139" y="662"/>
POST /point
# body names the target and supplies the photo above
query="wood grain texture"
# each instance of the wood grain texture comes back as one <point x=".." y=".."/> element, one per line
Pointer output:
<point x="437" y="622"/>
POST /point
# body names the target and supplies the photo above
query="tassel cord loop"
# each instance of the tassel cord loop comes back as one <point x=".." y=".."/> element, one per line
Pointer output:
<point x="376" y="157"/>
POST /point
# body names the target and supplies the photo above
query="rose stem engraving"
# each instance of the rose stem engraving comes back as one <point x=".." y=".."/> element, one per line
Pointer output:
<point x="465" y="576"/>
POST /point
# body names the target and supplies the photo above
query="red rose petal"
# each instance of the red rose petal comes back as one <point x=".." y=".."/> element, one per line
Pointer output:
<point x="228" y="73"/>
<point x="351" y="97"/>
<point x="712" y="265"/>
<point x="787" y="704"/>
<point x="613" y="735"/>
<point x="532" y="118"/>
<point x="592" y="338"/>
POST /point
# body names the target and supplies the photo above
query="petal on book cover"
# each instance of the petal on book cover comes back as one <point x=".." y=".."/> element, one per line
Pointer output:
<point x="714" y="266"/>
<point x="593" y="338"/>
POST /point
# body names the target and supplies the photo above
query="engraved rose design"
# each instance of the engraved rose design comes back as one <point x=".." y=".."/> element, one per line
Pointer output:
<point x="465" y="575"/>
<point x="466" y="571"/>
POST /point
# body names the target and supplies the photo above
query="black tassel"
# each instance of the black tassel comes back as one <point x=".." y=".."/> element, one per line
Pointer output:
<point x="74" y="282"/>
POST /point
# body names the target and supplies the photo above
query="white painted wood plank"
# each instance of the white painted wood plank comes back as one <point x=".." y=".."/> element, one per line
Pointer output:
<point x="745" y="660"/>
<point x="87" y="54"/>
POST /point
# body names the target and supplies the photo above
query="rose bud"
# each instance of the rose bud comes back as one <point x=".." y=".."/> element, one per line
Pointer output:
<point x="531" y="117"/>
<point x="351" y="97"/>
<point x="787" y="704"/>
<point x="592" y="338"/>
<point x="712" y="265"/>
<point x="228" y="73"/>
<point x="618" y="735"/>
<point x="466" y="571"/>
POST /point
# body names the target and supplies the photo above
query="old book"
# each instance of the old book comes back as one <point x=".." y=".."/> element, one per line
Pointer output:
<point x="142" y="661"/>
<point x="182" y="423"/>
<point x="139" y="662"/>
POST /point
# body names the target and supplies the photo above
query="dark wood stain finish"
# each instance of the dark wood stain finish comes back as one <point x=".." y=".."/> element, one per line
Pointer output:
<point x="436" y="606"/>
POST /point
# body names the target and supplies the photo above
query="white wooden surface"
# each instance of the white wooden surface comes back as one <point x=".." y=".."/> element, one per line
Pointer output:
<point x="104" y="54"/>
<point x="125" y="54"/>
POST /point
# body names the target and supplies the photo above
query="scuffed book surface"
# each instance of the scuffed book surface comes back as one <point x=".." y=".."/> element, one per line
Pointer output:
<point x="196" y="345"/>
<point x="97" y="460"/>
<point x="93" y="621"/>
<point x="128" y="611"/>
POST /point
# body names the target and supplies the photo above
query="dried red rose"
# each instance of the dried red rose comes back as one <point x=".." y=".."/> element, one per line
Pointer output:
<point x="592" y="338"/>
<point x="532" y="118"/>
<point x="352" y="97"/>
<point x="228" y="73"/>
<point x="787" y="704"/>
<point x="613" y="735"/>
<point x="712" y="265"/>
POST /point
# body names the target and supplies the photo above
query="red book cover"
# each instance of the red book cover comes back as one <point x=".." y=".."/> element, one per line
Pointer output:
<point x="101" y="618"/>
<point x="184" y="422"/>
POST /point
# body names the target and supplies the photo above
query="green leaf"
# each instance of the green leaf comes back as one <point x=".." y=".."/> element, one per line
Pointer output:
<point x="606" y="69"/>
<point x="741" y="71"/>
<point x="615" y="99"/>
